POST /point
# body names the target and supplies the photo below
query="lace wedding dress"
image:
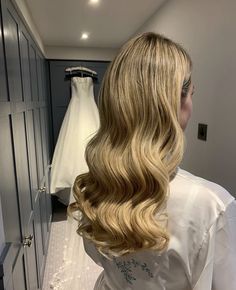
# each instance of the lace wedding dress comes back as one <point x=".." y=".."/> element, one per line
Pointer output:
<point x="78" y="271"/>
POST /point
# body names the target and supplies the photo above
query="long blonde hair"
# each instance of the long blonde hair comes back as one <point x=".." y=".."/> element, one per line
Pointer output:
<point x="136" y="150"/>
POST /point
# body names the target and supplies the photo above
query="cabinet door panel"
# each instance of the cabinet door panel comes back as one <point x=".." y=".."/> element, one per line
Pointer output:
<point x="8" y="187"/>
<point x="48" y="199"/>
<point x="22" y="169"/>
<point x="18" y="275"/>
<point x="25" y="66"/>
<point x="44" y="137"/>
<point x="9" y="285"/>
<point x="3" y="84"/>
<point x="43" y="214"/>
<point x="38" y="139"/>
<point x="31" y="252"/>
<point x="39" y="77"/>
<point x="31" y="257"/>
<point x="24" y="193"/>
<point x="32" y="155"/>
<point x="24" y="151"/>
<point x="44" y="79"/>
<point x="12" y="56"/>
<point x="33" y="73"/>
<point x="39" y="238"/>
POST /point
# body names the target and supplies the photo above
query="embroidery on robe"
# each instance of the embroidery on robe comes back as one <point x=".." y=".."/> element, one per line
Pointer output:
<point x="126" y="267"/>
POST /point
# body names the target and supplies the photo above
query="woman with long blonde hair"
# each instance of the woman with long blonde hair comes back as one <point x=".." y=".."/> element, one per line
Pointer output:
<point x="149" y="224"/>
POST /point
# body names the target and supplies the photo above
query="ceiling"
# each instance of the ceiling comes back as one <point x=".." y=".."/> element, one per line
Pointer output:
<point x="109" y="23"/>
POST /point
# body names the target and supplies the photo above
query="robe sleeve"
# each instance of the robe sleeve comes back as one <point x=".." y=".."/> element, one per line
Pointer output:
<point x="224" y="271"/>
<point x="217" y="255"/>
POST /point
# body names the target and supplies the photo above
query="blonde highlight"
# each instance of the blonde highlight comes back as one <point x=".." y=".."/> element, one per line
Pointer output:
<point x="136" y="151"/>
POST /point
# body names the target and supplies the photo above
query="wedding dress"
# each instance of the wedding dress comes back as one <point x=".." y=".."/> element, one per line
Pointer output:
<point x="80" y="122"/>
<point x="78" y="271"/>
<point x="79" y="125"/>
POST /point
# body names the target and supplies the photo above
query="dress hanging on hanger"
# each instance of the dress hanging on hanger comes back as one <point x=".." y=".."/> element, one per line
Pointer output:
<point x="79" y="125"/>
<point x="81" y="121"/>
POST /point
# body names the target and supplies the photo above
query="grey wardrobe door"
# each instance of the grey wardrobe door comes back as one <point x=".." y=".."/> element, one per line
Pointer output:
<point x="38" y="139"/>
<point x="36" y="224"/>
<point x="18" y="69"/>
<point x="22" y="170"/>
<point x="3" y="83"/>
<point x="39" y="74"/>
<point x="21" y="191"/>
<point x="43" y="118"/>
<point x="23" y="156"/>
<point x="39" y="238"/>
<point x="33" y="72"/>
<point x="11" y="31"/>
<point x="31" y="255"/>
<point x="32" y="155"/>
<point x="23" y="183"/>
<point x="38" y="210"/>
<point x="25" y="65"/>
<point x="44" y="213"/>
<point x="18" y="275"/>
<point x="8" y="187"/>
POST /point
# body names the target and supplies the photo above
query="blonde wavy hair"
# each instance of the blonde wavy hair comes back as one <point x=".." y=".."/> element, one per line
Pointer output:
<point x="137" y="149"/>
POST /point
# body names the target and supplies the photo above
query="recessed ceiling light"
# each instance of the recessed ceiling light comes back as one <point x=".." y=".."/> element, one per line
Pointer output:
<point x="84" y="35"/>
<point x="93" y="1"/>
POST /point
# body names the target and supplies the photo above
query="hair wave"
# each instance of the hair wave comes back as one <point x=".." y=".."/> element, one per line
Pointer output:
<point x="136" y="150"/>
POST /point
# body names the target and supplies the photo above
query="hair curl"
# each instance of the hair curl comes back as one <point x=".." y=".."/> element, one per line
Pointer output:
<point x="136" y="150"/>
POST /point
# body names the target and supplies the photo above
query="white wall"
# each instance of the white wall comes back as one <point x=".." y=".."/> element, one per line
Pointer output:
<point x="207" y="30"/>
<point x="55" y="52"/>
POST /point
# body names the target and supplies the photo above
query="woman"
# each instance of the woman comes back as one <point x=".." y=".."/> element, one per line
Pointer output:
<point x="149" y="224"/>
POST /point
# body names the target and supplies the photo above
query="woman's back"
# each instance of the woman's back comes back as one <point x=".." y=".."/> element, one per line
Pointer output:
<point x="167" y="229"/>
<point x="199" y="226"/>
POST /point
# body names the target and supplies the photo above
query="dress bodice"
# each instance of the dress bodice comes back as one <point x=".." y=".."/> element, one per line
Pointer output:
<point x="82" y="87"/>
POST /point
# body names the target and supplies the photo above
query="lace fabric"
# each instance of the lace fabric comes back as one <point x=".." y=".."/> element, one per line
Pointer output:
<point x="78" y="271"/>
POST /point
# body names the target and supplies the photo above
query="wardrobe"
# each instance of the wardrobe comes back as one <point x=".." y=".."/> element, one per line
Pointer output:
<point x="34" y="96"/>
<point x="24" y="155"/>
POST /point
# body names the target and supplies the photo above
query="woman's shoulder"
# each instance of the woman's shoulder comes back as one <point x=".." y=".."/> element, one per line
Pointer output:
<point x="206" y="189"/>
<point x="198" y="196"/>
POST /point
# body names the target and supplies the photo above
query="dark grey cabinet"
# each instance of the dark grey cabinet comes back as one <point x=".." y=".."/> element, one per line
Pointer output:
<point x="24" y="155"/>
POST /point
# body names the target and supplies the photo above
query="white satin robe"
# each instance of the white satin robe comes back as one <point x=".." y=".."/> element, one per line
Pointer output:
<point x="202" y="251"/>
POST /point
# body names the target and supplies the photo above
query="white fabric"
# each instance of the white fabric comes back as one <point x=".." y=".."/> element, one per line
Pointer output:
<point x="202" y="251"/>
<point x="81" y="121"/>
<point x="78" y="271"/>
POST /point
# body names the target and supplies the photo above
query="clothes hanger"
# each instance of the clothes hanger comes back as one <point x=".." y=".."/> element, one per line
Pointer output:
<point x="80" y="71"/>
